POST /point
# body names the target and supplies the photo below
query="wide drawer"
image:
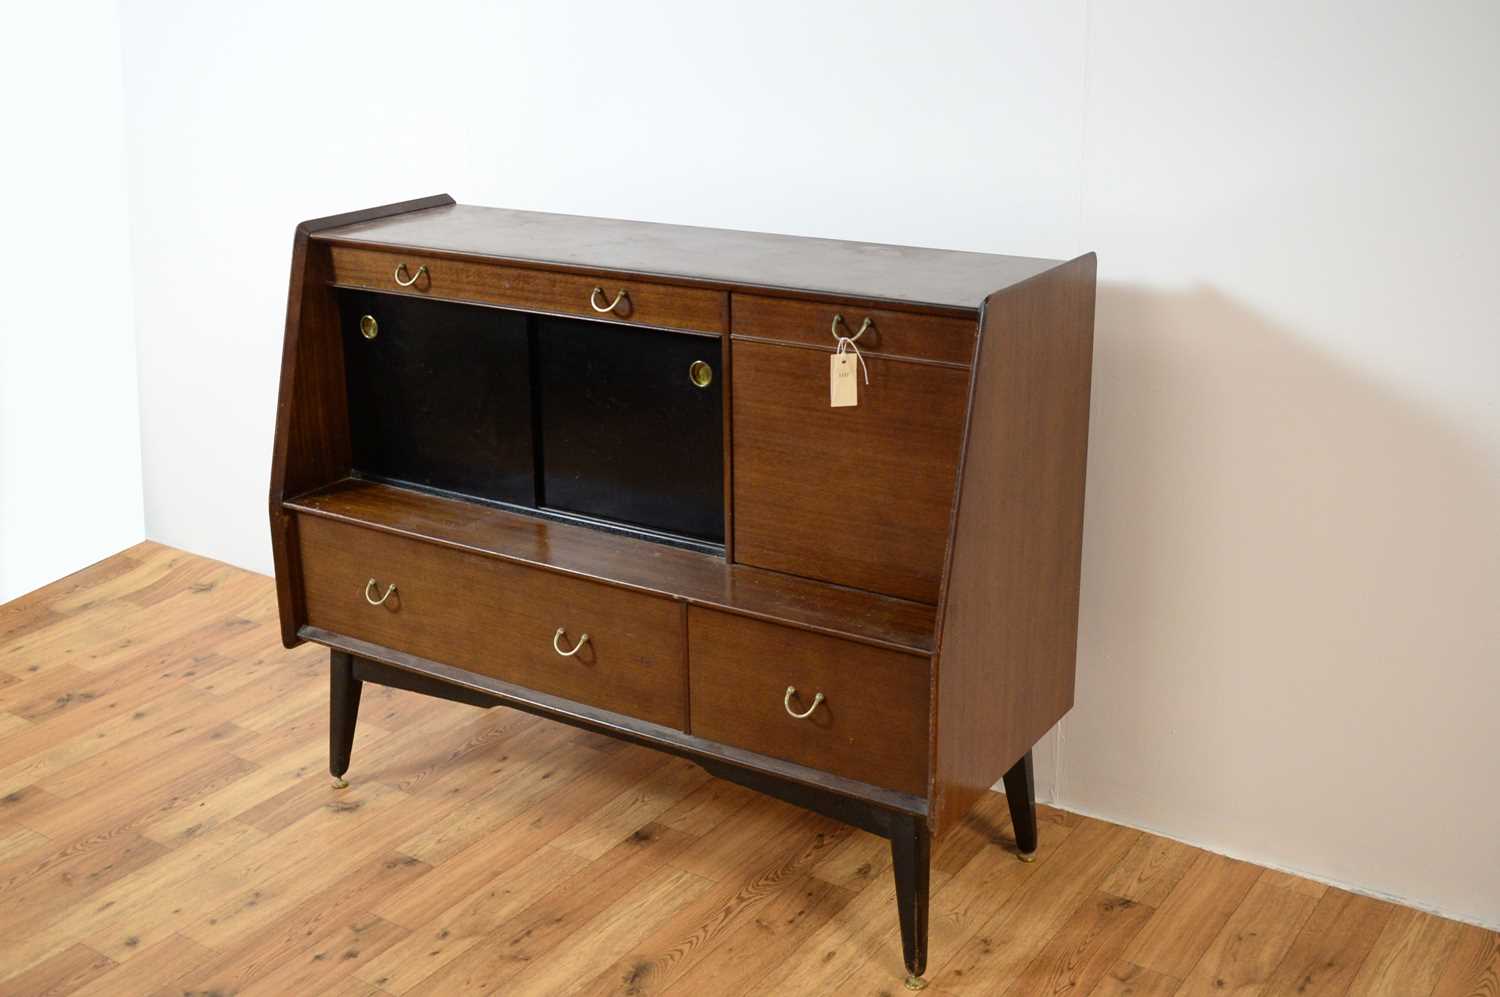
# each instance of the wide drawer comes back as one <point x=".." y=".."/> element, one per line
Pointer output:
<point x="888" y="333"/>
<point x="606" y="298"/>
<point x="498" y="619"/>
<point x="870" y="725"/>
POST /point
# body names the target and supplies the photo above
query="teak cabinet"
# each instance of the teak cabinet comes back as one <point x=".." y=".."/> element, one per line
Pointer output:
<point x="591" y="469"/>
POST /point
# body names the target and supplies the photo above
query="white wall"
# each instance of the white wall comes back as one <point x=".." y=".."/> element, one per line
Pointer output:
<point x="70" y="471"/>
<point x="1292" y="562"/>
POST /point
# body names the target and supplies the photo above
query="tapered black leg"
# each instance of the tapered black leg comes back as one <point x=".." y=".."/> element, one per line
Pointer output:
<point x="1020" y="793"/>
<point x="343" y="711"/>
<point x="910" y="852"/>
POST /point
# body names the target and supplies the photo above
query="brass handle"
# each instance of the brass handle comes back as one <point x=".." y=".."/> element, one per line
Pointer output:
<point x="414" y="277"/>
<point x="864" y="327"/>
<point x="371" y="588"/>
<point x="561" y="631"/>
<point x="598" y="293"/>
<point x="700" y="373"/>
<point x="786" y="701"/>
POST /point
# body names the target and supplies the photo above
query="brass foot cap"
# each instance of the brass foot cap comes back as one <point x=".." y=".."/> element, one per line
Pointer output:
<point x="339" y="782"/>
<point x="915" y="983"/>
<point x="1026" y="856"/>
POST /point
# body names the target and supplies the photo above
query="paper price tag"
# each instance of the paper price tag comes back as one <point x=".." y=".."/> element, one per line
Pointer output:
<point x="843" y="380"/>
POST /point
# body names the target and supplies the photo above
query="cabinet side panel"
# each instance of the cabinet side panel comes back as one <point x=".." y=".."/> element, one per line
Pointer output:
<point x="1008" y="616"/>
<point x="312" y="425"/>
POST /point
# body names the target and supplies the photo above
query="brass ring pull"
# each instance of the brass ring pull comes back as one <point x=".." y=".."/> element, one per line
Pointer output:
<point x="864" y="327"/>
<point x="786" y="701"/>
<point x="561" y="631"/>
<point x="371" y="588"/>
<point x="598" y="293"/>
<point x="414" y="277"/>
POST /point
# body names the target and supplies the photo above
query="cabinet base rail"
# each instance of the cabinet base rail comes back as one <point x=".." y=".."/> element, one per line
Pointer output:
<point x="905" y="827"/>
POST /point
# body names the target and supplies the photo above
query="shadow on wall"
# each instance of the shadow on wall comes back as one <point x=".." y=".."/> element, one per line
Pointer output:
<point x="1290" y="637"/>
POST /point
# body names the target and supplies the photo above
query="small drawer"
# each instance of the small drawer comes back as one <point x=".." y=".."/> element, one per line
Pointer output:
<point x="508" y="621"/>
<point x="889" y="333"/>
<point x="869" y="725"/>
<point x="606" y="298"/>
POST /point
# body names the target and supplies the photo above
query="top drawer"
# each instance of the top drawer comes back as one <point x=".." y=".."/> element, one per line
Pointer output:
<point x="890" y="333"/>
<point x="608" y="298"/>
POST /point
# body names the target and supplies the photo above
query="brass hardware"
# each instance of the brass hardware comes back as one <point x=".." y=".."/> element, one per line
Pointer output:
<point x="864" y="327"/>
<point x="598" y="293"/>
<point x="339" y="782"/>
<point x="786" y="701"/>
<point x="1026" y="856"/>
<point x="371" y="588"/>
<point x="561" y="632"/>
<point x="915" y="983"/>
<point x="368" y="327"/>
<point x="700" y="373"/>
<point x="414" y="277"/>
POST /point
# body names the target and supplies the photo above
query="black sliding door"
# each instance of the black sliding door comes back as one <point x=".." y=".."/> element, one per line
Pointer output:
<point x="628" y="434"/>
<point x="440" y="395"/>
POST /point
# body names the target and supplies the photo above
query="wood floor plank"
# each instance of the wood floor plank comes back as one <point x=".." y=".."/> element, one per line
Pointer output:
<point x="333" y="912"/>
<point x="1243" y="956"/>
<point x="1410" y="955"/>
<point x="1021" y="929"/>
<point x="166" y="821"/>
<point x="165" y="963"/>
<point x="1151" y="870"/>
<point x="1126" y="979"/>
<point x="1473" y="967"/>
<point x="601" y="939"/>
<point x="1083" y="950"/>
<point x="778" y="897"/>
<point x="1332" y="946"/>
<point x="528" y="935"/>
<point x="63" y="974"/>
<point x="1193" y="914"/>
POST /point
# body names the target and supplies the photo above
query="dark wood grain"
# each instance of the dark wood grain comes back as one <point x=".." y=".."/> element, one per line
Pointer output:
<point x="547" y="291"/>
<point x="1009" y="612"/>
<point x="699" y="579"/>
<point x="311" y="443"/>
<point x="871" y="725"/>
<point x="751" y="261"/>
<point x="890" y="334"/>
<point x="499" y="619"/>
<point x="859" y="496"/>
<point x="625" y="728"/>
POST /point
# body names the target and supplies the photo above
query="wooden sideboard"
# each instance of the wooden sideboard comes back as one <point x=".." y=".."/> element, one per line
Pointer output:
<point x="590" y="469"/>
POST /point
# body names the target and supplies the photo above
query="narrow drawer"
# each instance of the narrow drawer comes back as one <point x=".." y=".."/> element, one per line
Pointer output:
<point x="635" y="301"/>
<point x="498" y="619"/>
<point x="889" y="333"/>
<point x="870" y="725"/>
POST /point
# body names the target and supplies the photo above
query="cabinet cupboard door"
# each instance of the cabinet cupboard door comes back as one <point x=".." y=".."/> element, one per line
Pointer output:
<point x="856" y="495"/>
<point x="627" y="436"/>
<point x="439" y="395"/>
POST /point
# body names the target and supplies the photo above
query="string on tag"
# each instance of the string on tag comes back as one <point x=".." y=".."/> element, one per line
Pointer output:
<point x="845" y="343"/>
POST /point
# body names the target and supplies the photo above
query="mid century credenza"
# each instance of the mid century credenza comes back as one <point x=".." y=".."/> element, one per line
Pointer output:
<point x="807" y="512"/>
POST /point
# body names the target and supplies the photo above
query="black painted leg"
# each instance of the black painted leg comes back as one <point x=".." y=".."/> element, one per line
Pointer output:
<point x="343" y="711"/>
<point x="1020" y="793"/>
<point x="910" y="853"/>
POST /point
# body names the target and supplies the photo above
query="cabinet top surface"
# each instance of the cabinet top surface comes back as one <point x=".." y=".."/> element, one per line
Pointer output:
<point x="749" y="260"/>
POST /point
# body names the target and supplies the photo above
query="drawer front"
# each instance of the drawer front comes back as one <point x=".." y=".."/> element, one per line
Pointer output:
<point x="642" y="303"/>
<point x="896" y="334"/>
<point x="859" y="496"/>
<point x="498" y="619"/>
<point x="871" y="724"/>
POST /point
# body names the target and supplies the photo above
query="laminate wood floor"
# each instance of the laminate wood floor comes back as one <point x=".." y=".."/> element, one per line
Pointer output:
<point x="167" y="826"/>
